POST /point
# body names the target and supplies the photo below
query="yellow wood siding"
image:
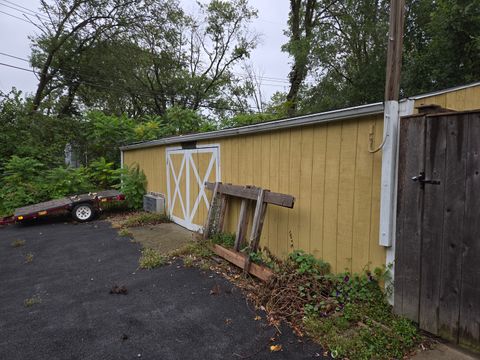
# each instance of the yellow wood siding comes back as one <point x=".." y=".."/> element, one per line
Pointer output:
<point x="464" y="99"/>
<point x="327" y="167"/>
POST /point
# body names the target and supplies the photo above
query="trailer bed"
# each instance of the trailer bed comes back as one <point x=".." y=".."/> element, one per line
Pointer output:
<point x="63" y="204"/>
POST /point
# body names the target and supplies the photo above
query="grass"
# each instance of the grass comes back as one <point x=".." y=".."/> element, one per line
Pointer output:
<point x="28" y="258"/>
<point x="32" y="301"/>
<point x="145" y="218"/>
<point x="151" y="259"/>
<point x="125" y="233"/>
<point x="17" y="243"/>
<point x="224" y="239"/>
<point x="199" y="249"/>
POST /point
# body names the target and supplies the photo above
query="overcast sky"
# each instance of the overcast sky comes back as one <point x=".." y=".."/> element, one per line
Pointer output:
<point x="267" y="59"/>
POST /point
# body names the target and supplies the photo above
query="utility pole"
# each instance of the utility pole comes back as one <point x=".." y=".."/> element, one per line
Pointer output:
<point x="394" y="51"/>
<point x="391" y="123"/>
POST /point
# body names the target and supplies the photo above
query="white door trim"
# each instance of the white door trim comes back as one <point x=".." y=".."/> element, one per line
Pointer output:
<point x="187" y="168"/>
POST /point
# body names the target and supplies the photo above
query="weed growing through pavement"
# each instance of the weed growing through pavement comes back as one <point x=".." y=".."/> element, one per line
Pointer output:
<point x="143" y="219"/>
<point x="28" y="258"/>
<point x="17" y="243"/>
<point x="125" y="233"/>
<point x="151" y="259"/>
<point x="32" y="301"/>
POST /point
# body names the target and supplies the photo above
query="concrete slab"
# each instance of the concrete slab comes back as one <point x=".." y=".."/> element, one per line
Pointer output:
<point x="162" y="237"/>
<point x="445" y="352"/>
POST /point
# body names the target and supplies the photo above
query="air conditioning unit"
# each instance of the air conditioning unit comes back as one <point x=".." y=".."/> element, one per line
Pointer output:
<point x="154" y="202"/>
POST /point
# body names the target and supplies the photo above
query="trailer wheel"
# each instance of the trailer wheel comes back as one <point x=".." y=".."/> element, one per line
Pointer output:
<point x="83" y="212"/>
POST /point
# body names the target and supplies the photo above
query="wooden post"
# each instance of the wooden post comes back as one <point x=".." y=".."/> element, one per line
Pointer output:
<point x="206" y="228"/>
<point x="394" y="50"/>
<point x="257" y="224"/>
<point x="223" y="210"/>
<point x="242" y="224"/>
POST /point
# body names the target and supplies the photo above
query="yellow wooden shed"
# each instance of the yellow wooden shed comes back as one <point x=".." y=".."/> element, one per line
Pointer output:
<point x="322" y="159"/>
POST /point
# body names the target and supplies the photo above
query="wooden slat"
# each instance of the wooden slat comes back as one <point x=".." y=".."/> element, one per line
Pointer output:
<point x="257" y="223"/>
<point x="453" y="214"/>
<point x="432" y="234"/>
<point x="242" y="225"/>
<point x="210" y="211"/>
<point x="252" y="194"/>
<point x="409" y="218"/>
<point x="238" y="259"/>
<point x="223" y="211"/>
<point x="470" y="288"/>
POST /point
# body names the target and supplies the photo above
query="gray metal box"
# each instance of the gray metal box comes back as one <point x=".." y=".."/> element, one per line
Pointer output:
<point x="154" y="202"/>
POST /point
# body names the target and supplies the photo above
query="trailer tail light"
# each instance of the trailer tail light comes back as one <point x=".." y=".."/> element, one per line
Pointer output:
<point x="121" y="197"/>
<point x="104" y="200"/>
<point x="40" y="213"/>
<point x="19" y="217"/>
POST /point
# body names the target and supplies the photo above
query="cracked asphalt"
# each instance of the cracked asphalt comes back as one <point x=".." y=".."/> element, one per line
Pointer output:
<point x="168" y="312"/>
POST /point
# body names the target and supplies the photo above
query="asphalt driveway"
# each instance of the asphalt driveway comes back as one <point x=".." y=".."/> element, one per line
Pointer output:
<point x="168" y="312"/>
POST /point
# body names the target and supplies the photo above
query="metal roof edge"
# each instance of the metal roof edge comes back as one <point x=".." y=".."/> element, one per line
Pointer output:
<point x="304" y="120"/>
<point x="444" y="91"/>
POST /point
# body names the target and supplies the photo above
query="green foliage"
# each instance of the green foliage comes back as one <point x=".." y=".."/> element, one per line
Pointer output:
<point x="307" y="263"/>
<point x="247" y="119"/>
<point x="103" y="173"/>
<point x="26" y="181"/>
<point x="151" y="259"/>
<point x="133" y="186"/>
<point x="224" y="239"/>
<point x="145" y="218"/>
<point x="362" y="325"/>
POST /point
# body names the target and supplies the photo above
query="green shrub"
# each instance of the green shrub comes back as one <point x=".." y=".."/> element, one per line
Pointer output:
<point x="103" y="174"/>
<point x="133" y="186"/>
<point x="307" y="263"/>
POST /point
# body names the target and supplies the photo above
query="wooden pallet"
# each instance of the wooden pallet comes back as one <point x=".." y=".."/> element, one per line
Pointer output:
<point x="221" y="194"/>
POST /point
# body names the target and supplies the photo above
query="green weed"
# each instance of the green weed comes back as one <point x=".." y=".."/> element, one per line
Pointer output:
<point x="151" y="259"/>
<point x="224" y="239"/>
<point x="17" y="243"/>
<point x="28" y="258"/>
<point x="32" y="301"/>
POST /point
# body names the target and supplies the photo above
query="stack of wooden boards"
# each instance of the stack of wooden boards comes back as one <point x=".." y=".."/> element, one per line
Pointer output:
<point x="249" y="195"/>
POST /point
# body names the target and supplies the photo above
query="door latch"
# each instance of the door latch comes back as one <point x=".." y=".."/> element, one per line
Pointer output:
<point x="421" y="179"/>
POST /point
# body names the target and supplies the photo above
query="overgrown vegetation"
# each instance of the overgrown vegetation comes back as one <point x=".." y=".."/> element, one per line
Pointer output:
<point x="224" y="239"/>
<point x="151" y="259"/>
<point x="347" y="314"/>
<point x="26" y="181"/>
<point x="145" y="218"/>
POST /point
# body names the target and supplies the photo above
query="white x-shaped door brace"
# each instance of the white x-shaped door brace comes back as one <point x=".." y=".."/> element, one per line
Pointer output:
<point x="188" y="166"/>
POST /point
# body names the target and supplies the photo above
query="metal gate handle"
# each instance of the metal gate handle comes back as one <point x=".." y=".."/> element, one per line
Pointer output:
<point x="421" y="179"/>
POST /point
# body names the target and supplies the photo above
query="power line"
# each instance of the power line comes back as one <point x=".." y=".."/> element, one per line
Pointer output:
<point x="242" y="75"/>
<point x="19" y="18"/>
<point x="14" y="57"/>
<point x="120" y="90"/>
<point x="31" y="13"/>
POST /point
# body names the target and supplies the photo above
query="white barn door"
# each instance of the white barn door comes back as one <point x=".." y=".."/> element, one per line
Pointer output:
<point x="187" y="172"/>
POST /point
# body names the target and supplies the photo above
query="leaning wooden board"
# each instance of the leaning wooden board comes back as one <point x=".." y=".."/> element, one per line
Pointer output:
<point x="239" y="259"/>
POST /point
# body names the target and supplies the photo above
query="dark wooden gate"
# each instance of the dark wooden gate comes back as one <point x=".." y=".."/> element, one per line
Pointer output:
<point x="437" y="264"/>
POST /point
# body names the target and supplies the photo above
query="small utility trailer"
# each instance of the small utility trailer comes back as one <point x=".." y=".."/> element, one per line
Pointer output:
<point x="82" y="207"/>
